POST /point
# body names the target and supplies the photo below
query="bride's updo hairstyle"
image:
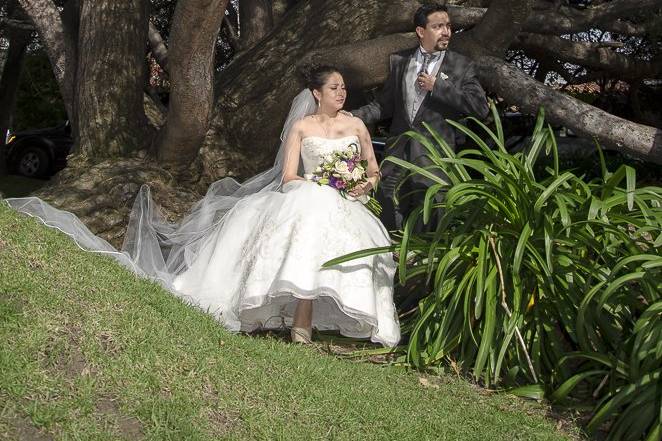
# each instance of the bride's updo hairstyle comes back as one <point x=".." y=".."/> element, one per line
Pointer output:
<point x="315" y="75"/>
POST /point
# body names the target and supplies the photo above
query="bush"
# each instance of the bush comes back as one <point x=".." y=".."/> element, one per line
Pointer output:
<point x="544" y="283"/>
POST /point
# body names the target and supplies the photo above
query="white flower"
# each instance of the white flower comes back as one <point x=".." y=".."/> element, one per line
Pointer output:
<point x="328" y="158"/>
<point x="318" y="170"/>
<point x="443" y="76"/>
<point x="357" y="173"/>
<point x="341" y="167"/>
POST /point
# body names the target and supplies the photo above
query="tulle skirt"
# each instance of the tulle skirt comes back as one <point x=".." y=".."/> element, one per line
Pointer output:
<point x="269" y="251"/>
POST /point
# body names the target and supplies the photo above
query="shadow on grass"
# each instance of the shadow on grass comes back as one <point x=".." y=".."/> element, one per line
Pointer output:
<point x="14" y="186"/>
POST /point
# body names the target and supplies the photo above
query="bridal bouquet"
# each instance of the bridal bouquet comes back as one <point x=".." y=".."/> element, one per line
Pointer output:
<point x="344" y="170"/>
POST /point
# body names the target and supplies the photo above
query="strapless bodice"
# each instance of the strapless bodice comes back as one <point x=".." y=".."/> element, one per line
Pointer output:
<point x="315" y="148"/>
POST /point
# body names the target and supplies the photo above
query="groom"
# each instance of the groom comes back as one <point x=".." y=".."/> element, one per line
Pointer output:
<point x="425" y="84"/>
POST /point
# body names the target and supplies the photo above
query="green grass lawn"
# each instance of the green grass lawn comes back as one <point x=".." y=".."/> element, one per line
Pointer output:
<point x="91" y="352"/>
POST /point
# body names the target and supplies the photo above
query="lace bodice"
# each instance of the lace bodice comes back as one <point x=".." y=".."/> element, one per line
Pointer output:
<point x="314" y="148"/>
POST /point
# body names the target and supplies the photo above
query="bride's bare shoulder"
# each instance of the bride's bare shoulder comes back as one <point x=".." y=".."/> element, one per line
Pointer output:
<point x="306" y="121"/>
<point x="356" y="122"/>
<point x="302" y="124"/>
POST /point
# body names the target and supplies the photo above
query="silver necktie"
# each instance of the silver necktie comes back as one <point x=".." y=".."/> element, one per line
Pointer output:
<point x="424" y="69"/>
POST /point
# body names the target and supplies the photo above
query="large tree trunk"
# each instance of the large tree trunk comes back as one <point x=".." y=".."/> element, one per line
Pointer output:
<point x="257" y="88"/>
<point x="255" y="20"/>
<point x="110" y="76"/>
<point x="191" y="64"/>
<point x="11" y="73"/>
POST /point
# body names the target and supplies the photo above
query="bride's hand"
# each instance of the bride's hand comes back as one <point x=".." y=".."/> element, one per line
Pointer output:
<point x="361" y="189"/>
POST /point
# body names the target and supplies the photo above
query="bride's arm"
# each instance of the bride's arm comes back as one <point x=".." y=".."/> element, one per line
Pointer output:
<point x="368" y="154"/>
<point x="292" y="153"/>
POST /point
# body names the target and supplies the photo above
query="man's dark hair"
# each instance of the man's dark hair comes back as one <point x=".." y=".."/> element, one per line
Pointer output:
<point x="422" y="14"/>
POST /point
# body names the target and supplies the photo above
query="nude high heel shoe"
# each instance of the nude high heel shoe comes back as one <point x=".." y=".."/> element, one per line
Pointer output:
<point x="301" y="335"/>
<point x="303" y="315"/>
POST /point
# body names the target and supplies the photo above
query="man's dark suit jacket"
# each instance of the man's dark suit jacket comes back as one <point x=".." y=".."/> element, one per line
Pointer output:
<point x="456" y="94"/>
<point x="455" y="97"/>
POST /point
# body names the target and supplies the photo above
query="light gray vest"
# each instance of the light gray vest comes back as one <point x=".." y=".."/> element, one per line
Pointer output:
<point x="413" y="97"/>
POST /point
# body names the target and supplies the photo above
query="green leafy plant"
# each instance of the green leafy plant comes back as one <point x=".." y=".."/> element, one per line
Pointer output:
<point x="546" y="283"/>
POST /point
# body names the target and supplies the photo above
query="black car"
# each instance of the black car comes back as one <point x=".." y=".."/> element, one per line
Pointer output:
<point x="39" y="153"/>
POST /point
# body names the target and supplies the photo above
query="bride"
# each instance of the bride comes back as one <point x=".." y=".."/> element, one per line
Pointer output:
<point x="252" y="254"/>
<point x="264" y="266"/>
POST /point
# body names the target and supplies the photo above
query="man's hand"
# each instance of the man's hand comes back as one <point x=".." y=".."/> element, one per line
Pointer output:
<point x="426" y="82"/>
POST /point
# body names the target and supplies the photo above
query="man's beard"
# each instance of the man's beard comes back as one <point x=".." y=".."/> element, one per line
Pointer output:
<point x="441" y="45"/>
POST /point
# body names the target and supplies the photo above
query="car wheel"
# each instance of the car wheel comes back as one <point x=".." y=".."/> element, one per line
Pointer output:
<point x="33" y="162"/>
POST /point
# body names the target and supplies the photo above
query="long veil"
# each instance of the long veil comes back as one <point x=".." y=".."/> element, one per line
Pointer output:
<point x="154" y="247"/>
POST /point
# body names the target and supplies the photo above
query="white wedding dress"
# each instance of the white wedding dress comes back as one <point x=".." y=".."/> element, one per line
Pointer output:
<point x="270" y="249"/>
<point x="246" y="251"/>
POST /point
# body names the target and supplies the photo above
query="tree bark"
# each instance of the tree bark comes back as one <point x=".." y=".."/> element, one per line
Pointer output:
<point x="608" y="16"/>
<point x="611" y="131"/>
<point x="255" y="21"/>
<point x="109" y="77"/>
<point x="590" y="56"/>
<point x="159" y="49"/>
<point x="280" y="7"/>
<point x="364" y="64"/>
<point x="60" y="45"/>
<point x="611" y="16"/>
<point x="490" y="35"/>
<point x="520" y="89"/>
<point x="196" y="25"/>
<point x="11" y="73"/>
<point x="230" y="33"/>
<point x="256" y="89"/>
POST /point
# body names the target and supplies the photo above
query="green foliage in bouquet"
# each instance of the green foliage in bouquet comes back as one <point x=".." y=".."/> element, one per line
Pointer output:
<point x="549" y="284"/>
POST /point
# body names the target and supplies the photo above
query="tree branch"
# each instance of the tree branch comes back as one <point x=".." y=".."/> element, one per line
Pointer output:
<point x="159" y="49"/>
<point x="515" y="87"/>
<point x="567" y="20"/>
<point x="231" y="33"/>
<point x="47" y="20"/>
<point x="256" y="20"/>
<point x="611" y="131"/>
<point x="365" y="63"/>
<point x="59" y="44"/>
<point x="610" y="17"/>
<point x="500" y="25"/>
<point x="17" y="24"/>
<point x="589" y="55"/>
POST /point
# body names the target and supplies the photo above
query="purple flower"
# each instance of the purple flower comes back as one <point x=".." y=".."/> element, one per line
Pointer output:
<point x="336" y="183"/>
<point x="350" y="165"/>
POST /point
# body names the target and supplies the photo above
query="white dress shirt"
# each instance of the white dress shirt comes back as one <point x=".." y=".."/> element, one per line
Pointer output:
<point x="433" y="62"/>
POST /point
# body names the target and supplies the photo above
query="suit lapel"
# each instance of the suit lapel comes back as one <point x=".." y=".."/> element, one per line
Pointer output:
<point x="404" y="64"/>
